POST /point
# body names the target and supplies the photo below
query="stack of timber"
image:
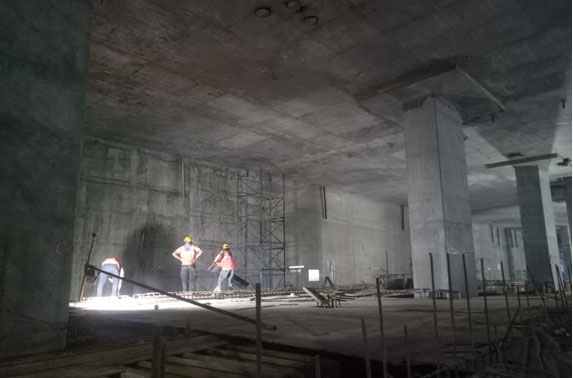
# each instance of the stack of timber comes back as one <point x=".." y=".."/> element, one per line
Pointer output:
<point x="202" y="356"/>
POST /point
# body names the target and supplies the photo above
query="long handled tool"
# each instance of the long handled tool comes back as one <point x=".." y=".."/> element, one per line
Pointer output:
<point x="87" y="263"/>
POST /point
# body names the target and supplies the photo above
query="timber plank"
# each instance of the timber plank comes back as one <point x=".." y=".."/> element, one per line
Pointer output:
<point x="121" y="355"/>
<point x="272" y="353"/>
<point x="130" y="372"/>
<point x="84" y="371"/>
<point x="266" y="359"/>
<point x="194" y="372"/>
<point x="233" y="365"/>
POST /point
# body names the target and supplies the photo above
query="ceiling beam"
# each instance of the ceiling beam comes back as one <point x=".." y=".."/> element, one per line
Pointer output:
<point x="521" y="161"/>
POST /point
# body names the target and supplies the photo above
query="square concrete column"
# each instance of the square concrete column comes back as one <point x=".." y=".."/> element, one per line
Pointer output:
<point x="538" y="223"/>
<point x="438" y="198"/>
<point x="564" y="245"/>
<point x="44" y="57"/>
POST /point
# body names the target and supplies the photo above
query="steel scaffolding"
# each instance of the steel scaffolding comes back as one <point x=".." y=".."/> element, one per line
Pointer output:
<point x="261" y="229"/>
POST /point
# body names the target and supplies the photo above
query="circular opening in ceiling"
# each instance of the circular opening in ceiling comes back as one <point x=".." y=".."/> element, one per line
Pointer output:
<point x="262" y="12"/>
<point x="311" y="20"/>
<point x="293" y="5"/>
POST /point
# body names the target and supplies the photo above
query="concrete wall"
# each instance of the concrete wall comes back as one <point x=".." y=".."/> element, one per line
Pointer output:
<point x="359" y="240"/>
<point x="515" y="254"/>
<point x="43" y="69"/>
<point x="496" y="244"/>
<point x="141" y="204"/>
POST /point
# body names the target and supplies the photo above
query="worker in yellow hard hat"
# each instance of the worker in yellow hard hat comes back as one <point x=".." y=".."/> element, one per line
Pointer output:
<point x="226" y="261"/>
<point x="188" y="255"/>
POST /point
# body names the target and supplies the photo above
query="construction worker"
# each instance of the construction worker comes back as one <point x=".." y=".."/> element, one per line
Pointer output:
<point x="188" y="255"/>
<point x="111" y="265"/>
<point x="226" y="261"/>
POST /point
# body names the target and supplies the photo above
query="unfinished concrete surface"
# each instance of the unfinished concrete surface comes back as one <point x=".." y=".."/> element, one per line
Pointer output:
<point x="43" y="59"/>
<point x="538" y="222"/>
<point x="185" y="97"/>
<point x="438" y="195"/>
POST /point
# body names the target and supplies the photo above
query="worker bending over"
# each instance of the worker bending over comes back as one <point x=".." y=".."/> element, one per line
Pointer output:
<point x="110" y="265"/>
<point x="226" y="261"/>
<point x="188" y="255"/>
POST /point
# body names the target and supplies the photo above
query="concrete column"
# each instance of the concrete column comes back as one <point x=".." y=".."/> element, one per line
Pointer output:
<point x="564" y="245"/>
<point x="509" y="245"/>
<point x="538" y="223"/>
<point x="43" y="71"/>
<point x="438" y="198"/>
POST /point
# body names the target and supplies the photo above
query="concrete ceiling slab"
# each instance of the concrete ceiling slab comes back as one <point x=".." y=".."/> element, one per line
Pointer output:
<point x="212" y="81"/>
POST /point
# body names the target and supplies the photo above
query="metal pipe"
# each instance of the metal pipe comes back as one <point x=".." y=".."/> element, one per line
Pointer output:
<point x="259" y="335"/>
<point x="366" y="349"/>
<point x="284" y="236"/>
<point x="470" y="326"/>
<point x="171" y="295"/>
<point x="434" y="298"/>
<point x="485" y="307"/>
<point x="561" y="288"/>
<point x="238" y="225"/>
<point x="496" y="343"/>
<point x="452" y="319"/>
<point x="379" y="296"/>
<point x="505" y="292"/>
<point x="260" y="210"/>
<point x="527" y="300"/>
<point x="87" y="262"/>
<point x="271" y="284"/>
<point x="409" y="372"/>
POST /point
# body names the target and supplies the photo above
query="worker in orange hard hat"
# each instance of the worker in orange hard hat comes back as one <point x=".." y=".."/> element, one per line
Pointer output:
<point x="111" y="265"/>
<point x="226" y="261"/>
<point x="188" y="255"/>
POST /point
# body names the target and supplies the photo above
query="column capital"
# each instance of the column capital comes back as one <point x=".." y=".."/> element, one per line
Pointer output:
<point x="472" y="101"/>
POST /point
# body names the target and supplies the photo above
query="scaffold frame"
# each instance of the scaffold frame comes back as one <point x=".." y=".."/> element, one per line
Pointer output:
<point x="261" y="229"/>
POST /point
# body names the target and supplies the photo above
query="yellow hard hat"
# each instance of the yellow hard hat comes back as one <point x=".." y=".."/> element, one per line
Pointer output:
<point x="187" y="239"/>
<point x="225" y="246"/>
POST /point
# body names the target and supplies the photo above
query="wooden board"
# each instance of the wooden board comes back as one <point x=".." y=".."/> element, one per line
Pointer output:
<point x="266" y="359"/>
<point x="121" y="355"/>
<point x="195" y="372"/>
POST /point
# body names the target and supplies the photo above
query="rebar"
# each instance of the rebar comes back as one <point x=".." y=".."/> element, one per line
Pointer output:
<point x="452" y="318"/>
<point x="407" y="351"/>
<point x="87" y="262"/>
<point x="380" y="315"/>
<point x="485" y="308"/>
<point x="366" y="349"/>
<point x="470" y="326"/>
<point x="178" y="297"/>
<point x="505" y="293"/>
<point x="259" y="334"/>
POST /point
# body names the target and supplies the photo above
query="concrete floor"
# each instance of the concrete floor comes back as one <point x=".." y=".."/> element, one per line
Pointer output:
<point x="338" y="330"/>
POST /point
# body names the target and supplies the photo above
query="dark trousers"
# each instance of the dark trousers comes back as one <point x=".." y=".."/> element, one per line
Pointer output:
<point x="188" y="277"/>
<point x="225" y="275"/>
<point x="111" y="268"/>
